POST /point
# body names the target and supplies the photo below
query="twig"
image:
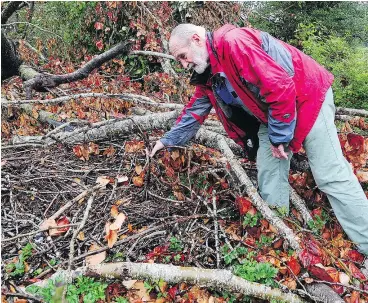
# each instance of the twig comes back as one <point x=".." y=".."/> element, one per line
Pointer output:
<point x="75" y="234"/>
<point x="77" y="198"/>
<point x="215" y="222"/>
<point x="36" y="232"/>
<point x="340" y="284"/>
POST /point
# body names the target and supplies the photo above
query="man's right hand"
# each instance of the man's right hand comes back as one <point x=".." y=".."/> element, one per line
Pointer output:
<point x="157" y="147"/>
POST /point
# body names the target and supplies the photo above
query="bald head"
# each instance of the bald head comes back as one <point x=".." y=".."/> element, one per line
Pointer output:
<point x="188" y="45"/>
<point x="182" y="35"/>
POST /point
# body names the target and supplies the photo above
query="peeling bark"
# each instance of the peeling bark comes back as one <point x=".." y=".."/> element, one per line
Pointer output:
<point x="324" y="293"/>
<point x="213" y="278"/>
<point x="104" y="129"/>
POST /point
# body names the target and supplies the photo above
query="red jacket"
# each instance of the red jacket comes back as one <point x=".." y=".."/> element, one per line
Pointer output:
<point x="277" y="83"/>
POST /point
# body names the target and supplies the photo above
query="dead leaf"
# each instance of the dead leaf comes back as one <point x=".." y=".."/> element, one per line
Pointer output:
<point x="133" y="146"/>
<point x="109" y="152"/>
<point x="129" y="284"/>
<point x="138" y="169"/>
<point x="121" y="179"/>
<point x="175" y="154"/>
<point x="179" y="195"/>
<point x="114" y="211"/>
<point x="344" y="278"/>
<point x="118" y="222"/>
<point x="97" y="258"/>
<point x="103" y="180"/>
<point x="141" y="291"/>
<point x="81" y="236"/>
<point x="48" y="223"/>
<point x="138" y="181"/>
<point x="290" y="283"/>
<point x="111" y="235"/>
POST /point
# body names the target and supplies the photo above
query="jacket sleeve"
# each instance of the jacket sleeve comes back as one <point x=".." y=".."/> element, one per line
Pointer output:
<point x="276" y="86"/>
<point x="190" y="120"/>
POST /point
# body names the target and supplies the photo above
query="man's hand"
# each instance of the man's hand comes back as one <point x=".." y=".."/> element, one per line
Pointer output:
<point x="157" y="147"/>
<point x="279" y="152"/>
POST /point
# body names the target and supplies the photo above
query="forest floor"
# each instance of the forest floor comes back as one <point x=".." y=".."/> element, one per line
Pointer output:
<point x="183" y="207"/>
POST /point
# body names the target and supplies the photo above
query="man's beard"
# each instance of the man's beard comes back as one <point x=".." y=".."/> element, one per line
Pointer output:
<point x="200" y="59"/>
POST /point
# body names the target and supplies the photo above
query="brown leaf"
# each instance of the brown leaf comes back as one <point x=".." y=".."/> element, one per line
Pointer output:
<point x="109" y="152"/>
<point x="121" y="179"/>
<point x="111" y="235"/>
<point x="179" y="195"/>
<point x="103" y="180"/>
<point x="138" y="181"/>
<point x="175" y="154"/>
<point x="138" y="169"/>
<point x="97" y="258"/>
<point x="114" y="211"/>
<point x="120" y="219"/>
<point x="133" y="146"/>
<point x="81" y="236"/>
<point x="93" y="148"/>
<point x="290" y="283"/>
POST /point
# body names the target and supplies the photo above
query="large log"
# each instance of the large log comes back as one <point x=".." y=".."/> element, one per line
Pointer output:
<point x="212" y="278"/>
<point x="49" y="81"/>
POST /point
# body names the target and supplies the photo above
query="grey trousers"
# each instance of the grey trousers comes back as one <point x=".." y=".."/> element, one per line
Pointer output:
<point x="332" y="173"/>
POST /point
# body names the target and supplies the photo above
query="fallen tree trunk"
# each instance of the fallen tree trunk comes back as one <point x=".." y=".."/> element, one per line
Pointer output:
<point x="101" y="130"/>
<point x="49" y="81"/>
<point x="125" y="96"/>
<point x="352" y="112"/>
<point x="213" y="278"/>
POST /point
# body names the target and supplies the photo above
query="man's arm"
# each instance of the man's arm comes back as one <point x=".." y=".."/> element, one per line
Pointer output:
<point x="276" y="87"/>
<point x="188" y="123"/>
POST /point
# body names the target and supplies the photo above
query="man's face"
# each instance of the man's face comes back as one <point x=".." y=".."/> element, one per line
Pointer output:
<point x="194" y="55"/>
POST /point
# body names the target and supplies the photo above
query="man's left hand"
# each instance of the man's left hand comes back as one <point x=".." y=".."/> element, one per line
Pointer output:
<point x="279" y="152"/>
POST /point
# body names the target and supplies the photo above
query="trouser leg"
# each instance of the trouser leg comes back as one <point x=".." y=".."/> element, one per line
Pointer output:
<point x="334" y="175"/>
<point x="273" y="173"/>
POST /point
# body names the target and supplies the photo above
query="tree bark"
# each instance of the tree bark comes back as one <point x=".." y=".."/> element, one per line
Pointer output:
<point x="213" y="278"/>
<point x="49" y="81"/>
<point x="12" y="7"/>
<point x="352" y="112"/>
<point x="10" y="60"/>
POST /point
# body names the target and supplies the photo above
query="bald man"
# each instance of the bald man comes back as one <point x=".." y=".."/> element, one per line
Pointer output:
<point x="272" y="99"/>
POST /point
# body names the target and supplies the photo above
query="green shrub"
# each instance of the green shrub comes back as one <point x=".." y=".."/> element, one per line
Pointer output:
<point x="348" y="63"/>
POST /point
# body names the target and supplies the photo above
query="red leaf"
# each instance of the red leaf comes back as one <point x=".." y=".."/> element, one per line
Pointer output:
<point x="308" y="259"/>
<point x="243" y="205"/>
<point x="320" y="273"/>
<point x="355" y="271"/>
<point x="99" y="44"/>
<point x="172" y="292"/>
<point x="99" y="25"/>
<point x="294" y="266"/>
<point x="355" y="256"/>
<point x="63" y="221"/>
<point x="314" y="248"/>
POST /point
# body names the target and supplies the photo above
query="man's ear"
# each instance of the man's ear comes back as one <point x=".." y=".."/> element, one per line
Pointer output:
<point x="197" y="39"/>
